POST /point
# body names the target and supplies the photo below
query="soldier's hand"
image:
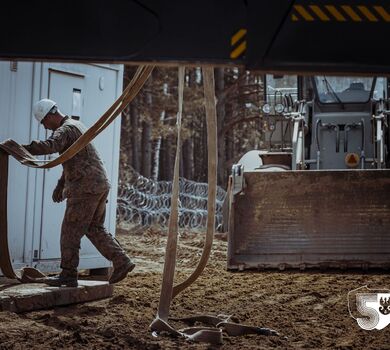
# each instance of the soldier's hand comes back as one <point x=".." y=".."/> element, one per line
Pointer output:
<point x="58" y="194"/>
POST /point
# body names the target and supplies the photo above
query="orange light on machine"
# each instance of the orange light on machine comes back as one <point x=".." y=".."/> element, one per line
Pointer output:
<point x="352" y="160"/>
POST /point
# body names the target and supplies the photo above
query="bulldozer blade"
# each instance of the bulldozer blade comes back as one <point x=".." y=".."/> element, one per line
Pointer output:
<point x="303" y="219"/>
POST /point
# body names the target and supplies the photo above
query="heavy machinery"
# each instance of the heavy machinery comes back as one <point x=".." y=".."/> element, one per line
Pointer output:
<point x="272" y="36"/>
<point x="318" y="195"/>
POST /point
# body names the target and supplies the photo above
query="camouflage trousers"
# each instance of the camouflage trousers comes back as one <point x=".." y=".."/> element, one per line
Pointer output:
<point x="85" y="216"/>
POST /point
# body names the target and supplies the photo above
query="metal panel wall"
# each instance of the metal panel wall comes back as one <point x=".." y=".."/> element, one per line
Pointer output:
<point x="19" y="89"/>
<point x="15" y="119"/>
<point x="301" y="219"/>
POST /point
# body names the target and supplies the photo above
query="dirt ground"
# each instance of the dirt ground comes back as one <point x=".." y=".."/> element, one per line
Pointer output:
<point x="308" y="308"/>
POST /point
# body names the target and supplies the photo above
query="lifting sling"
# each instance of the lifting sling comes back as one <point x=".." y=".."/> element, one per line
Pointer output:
<point x="215" y="324"/>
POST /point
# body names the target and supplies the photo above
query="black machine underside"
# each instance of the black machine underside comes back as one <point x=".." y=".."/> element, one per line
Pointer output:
<point x="270" y="35"/>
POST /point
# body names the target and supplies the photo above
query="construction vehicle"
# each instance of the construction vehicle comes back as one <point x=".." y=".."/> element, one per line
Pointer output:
<point x="317" y="196"/>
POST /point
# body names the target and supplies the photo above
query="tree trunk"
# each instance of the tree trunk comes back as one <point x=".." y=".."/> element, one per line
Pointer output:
<point x="146" y="132"/>
<point x="203" y="152"/>
<point x="220" y="87"/>
<point x="181" y="164"/>
<point x="188" y="158"/>
<point x="168" y="159"/>
<point x="156" y="159"/>
<point x="230" y="147"/>
<point x="157" y="150"/>
<point x="135" y="154"/>
<point x="162" y="173"/>
<point x="146" y="150"/>
<point x="125" y="141"/>
<point x="198" y="154"/>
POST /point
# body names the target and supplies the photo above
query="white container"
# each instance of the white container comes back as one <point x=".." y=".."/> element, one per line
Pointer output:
<point x="83" y="90"/>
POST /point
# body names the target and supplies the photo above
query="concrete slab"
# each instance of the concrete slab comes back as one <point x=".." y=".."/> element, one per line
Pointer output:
<point x="17" y="297"/>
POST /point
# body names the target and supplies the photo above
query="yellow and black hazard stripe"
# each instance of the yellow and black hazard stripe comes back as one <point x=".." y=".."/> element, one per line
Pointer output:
<point x="340" y="13"/>
<point x="238" y="44"/>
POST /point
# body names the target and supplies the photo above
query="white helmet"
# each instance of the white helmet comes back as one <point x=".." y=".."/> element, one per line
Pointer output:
<point x="42" y="107"/>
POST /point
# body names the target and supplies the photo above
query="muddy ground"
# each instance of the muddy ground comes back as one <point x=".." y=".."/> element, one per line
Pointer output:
<point x="308" y="308"/>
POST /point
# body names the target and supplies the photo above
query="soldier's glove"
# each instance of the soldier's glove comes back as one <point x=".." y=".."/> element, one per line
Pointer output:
<point x="5" y="142"/>
<point x="58" y="193"/>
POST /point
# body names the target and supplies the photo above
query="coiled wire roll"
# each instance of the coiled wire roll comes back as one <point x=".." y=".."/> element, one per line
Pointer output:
<point x="143" y="203"/>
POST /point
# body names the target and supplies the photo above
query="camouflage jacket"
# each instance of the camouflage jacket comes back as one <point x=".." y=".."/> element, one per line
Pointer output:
<point x="84" y="174"/>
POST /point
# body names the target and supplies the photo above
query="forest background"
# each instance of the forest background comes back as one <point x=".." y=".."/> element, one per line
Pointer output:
<point x="148" y="133"/>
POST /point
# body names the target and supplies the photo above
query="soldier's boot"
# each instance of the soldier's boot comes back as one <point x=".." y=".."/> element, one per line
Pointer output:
<point x="110" y="248"/>
<point x="121" y="270"/>
<point x="66" y="278"/>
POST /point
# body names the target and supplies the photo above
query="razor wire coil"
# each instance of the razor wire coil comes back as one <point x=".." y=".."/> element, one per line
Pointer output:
<point x="143" y="203"/>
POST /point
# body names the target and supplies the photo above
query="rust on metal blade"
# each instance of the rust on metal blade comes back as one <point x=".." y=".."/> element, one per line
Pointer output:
<point x="300" y="219"/>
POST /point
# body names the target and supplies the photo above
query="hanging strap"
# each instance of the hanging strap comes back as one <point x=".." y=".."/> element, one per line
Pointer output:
<point x="10" y="147"/>
<point x="212" y="332"/>
<point x="171" y="248"/>
<point x="211" y="119"/>
<point x="160" y="323"/>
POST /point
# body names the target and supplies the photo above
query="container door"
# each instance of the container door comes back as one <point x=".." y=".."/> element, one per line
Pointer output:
<point x="67" y="90"/>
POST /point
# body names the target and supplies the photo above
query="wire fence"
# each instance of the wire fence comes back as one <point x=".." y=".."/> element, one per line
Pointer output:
<point x="143" y="203"/>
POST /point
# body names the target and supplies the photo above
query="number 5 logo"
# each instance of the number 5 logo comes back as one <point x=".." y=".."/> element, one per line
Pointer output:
<point x="370" y="308"/>
<point x="372" y="316"/>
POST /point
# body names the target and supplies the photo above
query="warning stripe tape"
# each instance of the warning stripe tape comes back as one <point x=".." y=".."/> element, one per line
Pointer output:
<point x="340" y="13"/>
<point x="238" y="44"/>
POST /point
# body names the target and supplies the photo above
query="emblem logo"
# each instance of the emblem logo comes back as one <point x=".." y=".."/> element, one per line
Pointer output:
<point x="369" y="307"/>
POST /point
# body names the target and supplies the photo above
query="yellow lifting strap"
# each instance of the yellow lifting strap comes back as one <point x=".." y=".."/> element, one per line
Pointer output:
<point x="10" y="147"/>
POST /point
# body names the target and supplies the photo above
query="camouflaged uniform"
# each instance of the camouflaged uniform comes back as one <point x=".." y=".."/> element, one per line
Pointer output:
<point x="86" y="187"/>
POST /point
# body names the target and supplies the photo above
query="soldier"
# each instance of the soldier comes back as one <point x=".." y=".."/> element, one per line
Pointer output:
<point x="85" y="185"/>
